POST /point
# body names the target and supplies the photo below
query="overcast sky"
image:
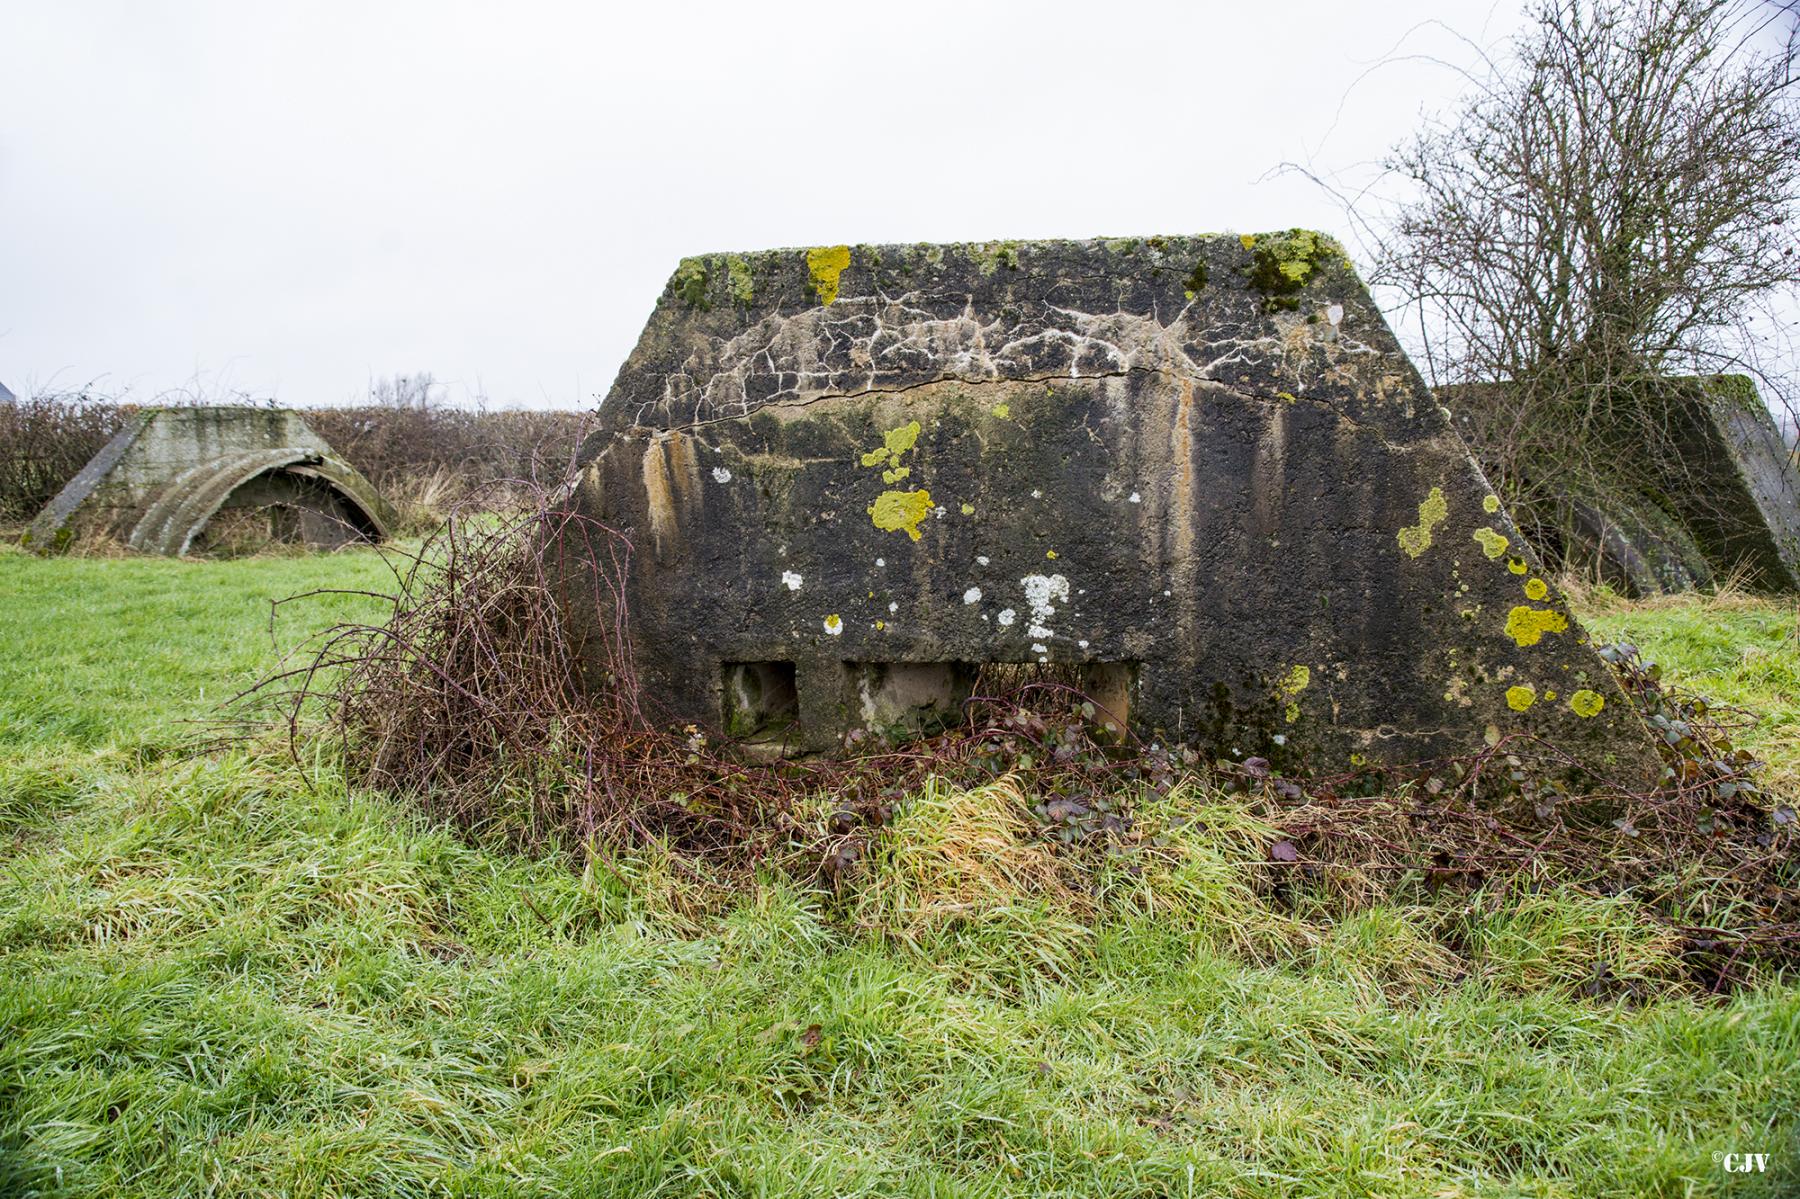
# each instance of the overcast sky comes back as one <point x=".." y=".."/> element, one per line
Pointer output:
<point x="288" y="200"/>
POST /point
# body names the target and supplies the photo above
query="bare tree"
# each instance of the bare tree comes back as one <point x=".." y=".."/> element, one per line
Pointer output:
<point x="419" y="390"/>
<point x="1614" y="204"/>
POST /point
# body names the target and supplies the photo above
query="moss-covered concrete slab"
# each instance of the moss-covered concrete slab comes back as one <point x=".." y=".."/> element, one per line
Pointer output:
<point x="1197" y="476"/>
<point x="169" y="474"/>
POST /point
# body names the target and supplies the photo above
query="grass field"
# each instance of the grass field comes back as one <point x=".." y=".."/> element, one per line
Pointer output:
<point x="221" y="973"/>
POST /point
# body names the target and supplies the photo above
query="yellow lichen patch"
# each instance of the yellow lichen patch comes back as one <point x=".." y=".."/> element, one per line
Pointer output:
<point x="834" y="624"/>
<point x="826" y="263"/>
<point x="902" y="439"/>
<point x="968" y="509"/>
<point x="1416" y="539"/>
<point x="1527" y="626"/>
<point x="1248" y="240"/>
<point x="1521" y="697"/>
<point x="1490" y="504"/>
<point x="1492" y="544"/>
<point x="901" y="511"/>
<point x="1296" y="680"/>
<point x="1002" y="410"/>
<point x="1536" y="589"/>
<point x="1549" y="696"/>
<point x="1517" y="565"/>
<point x="1585" y="703"/>
<point x="1050" y="553"/>
<point x="894" y="443"/>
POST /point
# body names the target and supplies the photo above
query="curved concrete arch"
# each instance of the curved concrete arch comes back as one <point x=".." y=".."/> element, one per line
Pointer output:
<point x="182" y="508"/>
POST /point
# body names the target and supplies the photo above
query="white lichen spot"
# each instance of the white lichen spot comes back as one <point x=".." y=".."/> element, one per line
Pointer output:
<point x="1082" y="644"/>
<point x="939" y="511"/>
<point x="1007" y="615"/>
<point x="1134" y="498"/>
<point x="972" y="596"/>
<point x="1335" y="314"/>
<point x="893" y="607"/>
<point x="981" y="559"/>
<point x="834" y="624"/>
<point x="1040" y="592"/>
<point x="881" y="561"/>
<point x="791" y="580"/>
<point x="1036" y="494"/>
<point x="721" y="475"/>
<point x="1040" y="649"/>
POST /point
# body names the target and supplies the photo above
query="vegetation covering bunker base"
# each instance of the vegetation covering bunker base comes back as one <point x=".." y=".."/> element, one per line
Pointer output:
<point x="177" y="479"/>
<point x="1196" y="477"/>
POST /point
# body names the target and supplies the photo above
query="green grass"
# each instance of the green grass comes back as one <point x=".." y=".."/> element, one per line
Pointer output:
<point x="110" y="653"/>
<point x="1735" y="649"/>
<point x="221" y="973"/>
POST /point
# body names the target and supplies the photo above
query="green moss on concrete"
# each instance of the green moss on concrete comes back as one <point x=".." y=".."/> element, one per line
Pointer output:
<point x="1282" y="264"/>
<point x="1737" y="391"/>
<point x="1196" y="279"/>
<point x="738" y="278"/>
<point x="690" y="283"/>
<point x="990" y="256"/>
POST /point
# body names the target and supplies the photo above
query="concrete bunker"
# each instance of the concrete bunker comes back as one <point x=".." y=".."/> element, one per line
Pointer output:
<point x="179" y="480"/>
<point x="1714" y="494"/>
<point x="1195" y="478"/>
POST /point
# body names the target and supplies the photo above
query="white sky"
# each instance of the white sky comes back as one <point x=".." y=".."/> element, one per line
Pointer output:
<point x="288" y="200"/>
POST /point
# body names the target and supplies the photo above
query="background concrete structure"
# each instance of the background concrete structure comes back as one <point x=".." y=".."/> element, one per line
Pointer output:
<point x="1718" y="498"/>
<point x="169" y="478"/>
<point x="1196" y="476"/>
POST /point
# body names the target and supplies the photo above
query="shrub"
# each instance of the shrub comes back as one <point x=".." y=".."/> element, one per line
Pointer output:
<point x="44" y="440"/>
<point x="459" y="448"/>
